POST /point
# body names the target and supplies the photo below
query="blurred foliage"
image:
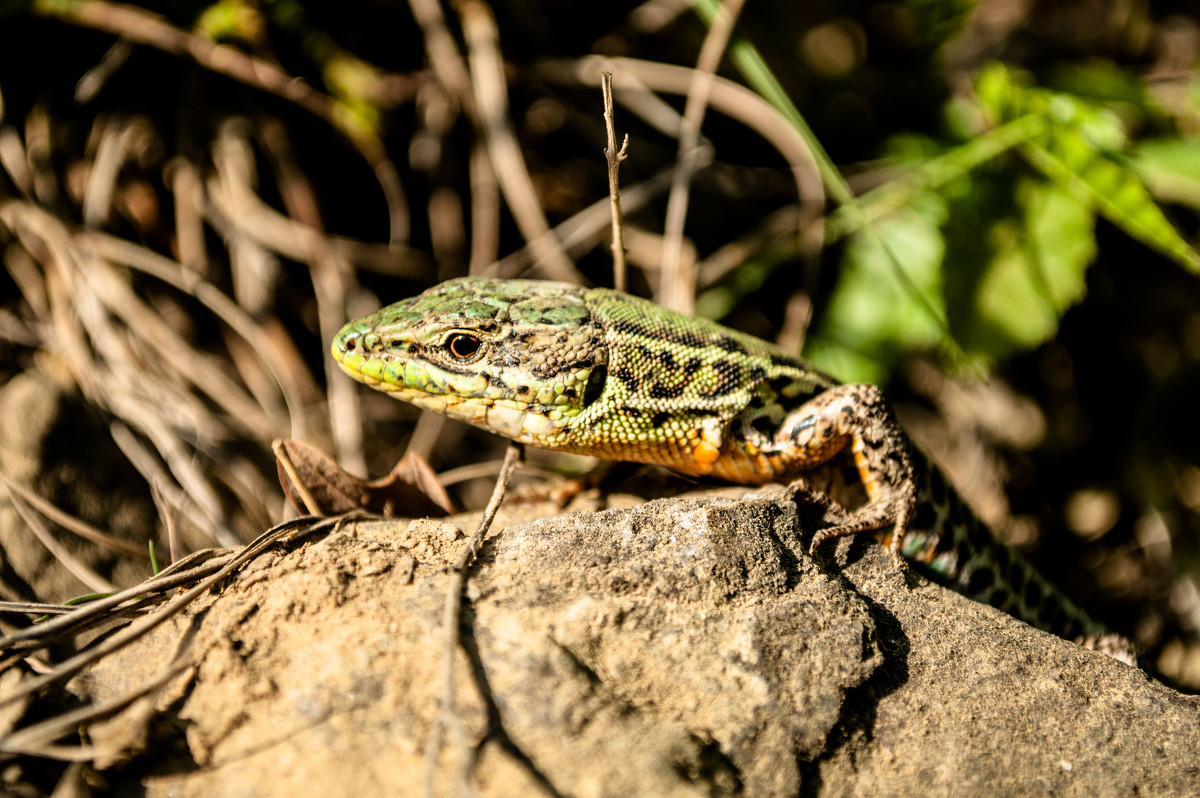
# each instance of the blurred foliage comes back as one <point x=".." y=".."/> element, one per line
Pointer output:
<point x="1002" y="246"/>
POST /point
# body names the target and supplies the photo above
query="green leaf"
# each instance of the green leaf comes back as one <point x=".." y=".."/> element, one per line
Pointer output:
<point x="1099" y="80"/>
<point x="1037" y="271"/>
<point x="1170" y="167"/>
<point x="876" y="312"/>
<point x="231" y="20"/>
<point x="1080" y="149"/>
<point x="1117" y="192"/>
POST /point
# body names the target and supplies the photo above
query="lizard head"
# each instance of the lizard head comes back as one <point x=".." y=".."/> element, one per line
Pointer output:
<point x="517" y="357"/>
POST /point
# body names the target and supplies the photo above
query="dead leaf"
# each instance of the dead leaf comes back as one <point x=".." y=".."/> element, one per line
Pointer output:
<point x="315" y="484"/>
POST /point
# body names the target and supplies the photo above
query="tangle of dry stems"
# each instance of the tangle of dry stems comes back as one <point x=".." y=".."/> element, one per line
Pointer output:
<point x="186" y="351"/>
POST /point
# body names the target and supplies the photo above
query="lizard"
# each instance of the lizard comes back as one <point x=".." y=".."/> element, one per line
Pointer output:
<point x="598" y="372"/>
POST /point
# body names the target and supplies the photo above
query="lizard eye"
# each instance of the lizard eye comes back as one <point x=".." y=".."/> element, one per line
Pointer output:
<point x="462" y="346"/>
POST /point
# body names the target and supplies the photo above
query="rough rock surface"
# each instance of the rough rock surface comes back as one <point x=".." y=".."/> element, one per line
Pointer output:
<point x="682" y="647"/>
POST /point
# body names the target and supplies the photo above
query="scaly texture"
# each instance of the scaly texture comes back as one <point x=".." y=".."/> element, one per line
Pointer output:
<point x="602" y="373"/>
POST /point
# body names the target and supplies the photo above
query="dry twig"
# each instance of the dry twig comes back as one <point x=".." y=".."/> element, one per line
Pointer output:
<point x="614" y="158"/>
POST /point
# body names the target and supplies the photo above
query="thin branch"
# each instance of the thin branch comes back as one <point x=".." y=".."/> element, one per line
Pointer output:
<point x="614" y="158"/>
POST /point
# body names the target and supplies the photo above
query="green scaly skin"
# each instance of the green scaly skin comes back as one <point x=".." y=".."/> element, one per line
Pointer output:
<point x="602" y="373"/>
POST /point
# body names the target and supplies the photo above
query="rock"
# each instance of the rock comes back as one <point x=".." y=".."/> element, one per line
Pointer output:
<point x="683" y="647"/>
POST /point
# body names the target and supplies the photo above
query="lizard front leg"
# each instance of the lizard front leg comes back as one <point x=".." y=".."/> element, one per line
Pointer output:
<point x="860" y="417"/>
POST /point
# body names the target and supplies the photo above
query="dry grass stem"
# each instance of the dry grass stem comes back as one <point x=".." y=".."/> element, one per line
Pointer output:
<point x="330" y="276"/>
<point x="426" y="434"/>
<point x="311" y="505"/>
<point x="199" y="578"/>
<point x="76" y="567"/>
<point x="491" y="100"/>
<point x="587" y="229"/>
<point x="140" y="26"/>
<point x="235" y="208"/>
<point x="677" y="282"/>
<point x="187" y="188"/>
<point x="38" y="739"/>
<point x="72" y="524"/>
<point x="796" y="317"/>
<point x="167" y="514"/>
<point x="272" y="351"/>
<point x="144" y="28"/>
<point x="777" y="230"/>
<point x="178" y="492"/>
<point x="489" y="469"/>
<point x="485" y="212"/>
<point x="448" y="65"/>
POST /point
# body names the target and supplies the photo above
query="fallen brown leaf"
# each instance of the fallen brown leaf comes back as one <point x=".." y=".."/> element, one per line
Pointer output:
<point x="315" y="484"/>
